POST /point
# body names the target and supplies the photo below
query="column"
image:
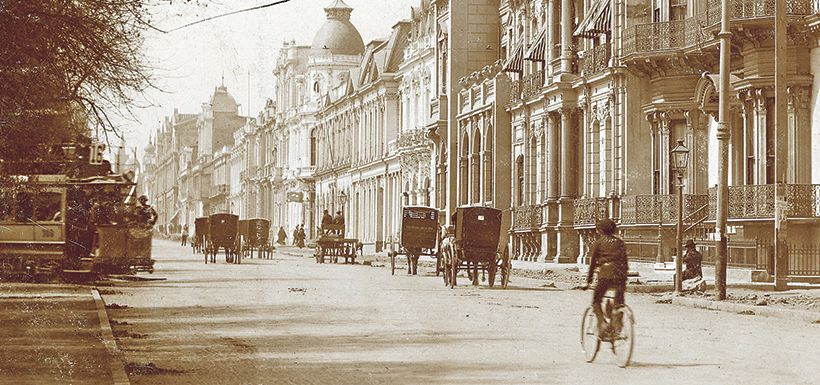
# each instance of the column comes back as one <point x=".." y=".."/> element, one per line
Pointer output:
<point x="567" y="237"/>
<point x="553" y="184"/>
<point x="759" y="127"/>
<point x="566" y="36"/>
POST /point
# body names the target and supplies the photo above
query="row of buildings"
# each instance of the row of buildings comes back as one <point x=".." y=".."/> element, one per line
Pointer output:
<point x="559" y="112"/>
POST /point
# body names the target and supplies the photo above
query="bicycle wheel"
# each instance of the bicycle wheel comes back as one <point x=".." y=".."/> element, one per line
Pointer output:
<point x="624" y="342"/>
<point x="590" y="343"/>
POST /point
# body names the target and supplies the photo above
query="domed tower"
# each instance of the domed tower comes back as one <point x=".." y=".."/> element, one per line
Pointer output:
<point x="338" y="34"/>
<point x="222" y="101"/>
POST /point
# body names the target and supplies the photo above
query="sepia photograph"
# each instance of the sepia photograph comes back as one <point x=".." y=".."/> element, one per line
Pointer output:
<point x="409" y="192"/>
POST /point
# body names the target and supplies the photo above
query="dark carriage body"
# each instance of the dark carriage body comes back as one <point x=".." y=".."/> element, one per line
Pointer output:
<point x="258" y="232"/>
<point x="223" y="230"/>
<point x="419" y="227"/>
<point x="473" y="246"/>
<point x="477" y="231"/>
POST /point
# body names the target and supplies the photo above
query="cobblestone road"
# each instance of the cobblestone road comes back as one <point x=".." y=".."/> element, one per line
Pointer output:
<point x="291" y="321"/>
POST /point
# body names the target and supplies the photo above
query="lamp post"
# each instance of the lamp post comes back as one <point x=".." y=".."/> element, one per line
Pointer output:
<point x="343" y="200"/>
<point x="680" y="159"/>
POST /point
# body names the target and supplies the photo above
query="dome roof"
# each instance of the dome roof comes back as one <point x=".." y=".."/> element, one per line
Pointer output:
<point x="222" y="101"/>
<point x="338" y="34"/>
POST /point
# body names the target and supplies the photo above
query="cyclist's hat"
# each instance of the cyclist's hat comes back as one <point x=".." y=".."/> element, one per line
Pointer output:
<point x="606" y="226"/>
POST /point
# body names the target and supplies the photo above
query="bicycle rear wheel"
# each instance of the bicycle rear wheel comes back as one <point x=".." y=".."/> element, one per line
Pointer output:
<point x="590" y="343"/>
<point x="624" y="342"/>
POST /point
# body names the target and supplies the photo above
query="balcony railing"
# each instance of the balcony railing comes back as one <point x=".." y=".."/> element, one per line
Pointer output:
<point x="660" y="209"/>
<point x="527" y="217"/>
<point x="663" y="36"/>
<point x="529" y="86"/>
<point x="758" y="201"/>
<point x="596" y="60"/>
<point x="411" y="138"/>
<point x="589" y="210"/>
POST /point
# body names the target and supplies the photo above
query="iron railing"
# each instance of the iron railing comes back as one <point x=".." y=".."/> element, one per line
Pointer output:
<point x="661" y="208"/>
<point x="596" y="60"/>
<point x="529" y="86"/>
<point x="588" y="211"/>
<point x="527" y="217"/>
<point x="757" y="201"/>
<point x="663" y="36"/>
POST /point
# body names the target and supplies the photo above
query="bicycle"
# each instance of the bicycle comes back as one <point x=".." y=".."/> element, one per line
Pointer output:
<point x="621" y="344"/>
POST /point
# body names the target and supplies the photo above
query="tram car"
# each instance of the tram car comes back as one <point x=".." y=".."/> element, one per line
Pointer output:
<point x="57" y="224"/>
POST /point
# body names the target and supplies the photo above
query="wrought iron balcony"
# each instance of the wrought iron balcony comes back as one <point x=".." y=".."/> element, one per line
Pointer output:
<point x="529" y="86"/>
<point x="661" y="209"/>
<point x="527" y="217"/>
<point x="666" y="36"/>
<point x="588" y="211"/>
<point x="596" y="60"/>
<point x="411" y="138"/>
<point x="758" y="201"/>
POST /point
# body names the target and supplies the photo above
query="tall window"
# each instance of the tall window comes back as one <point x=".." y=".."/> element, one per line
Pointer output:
<point x="519" y="174"/>
<point x="464" y="185"/>
<point x="488" y="165"/>
<point x="476" y="167"/>
<point x="313" y="147"/>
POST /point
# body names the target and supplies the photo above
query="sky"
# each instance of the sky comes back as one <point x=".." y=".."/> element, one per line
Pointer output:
<point x="189" y="63"/>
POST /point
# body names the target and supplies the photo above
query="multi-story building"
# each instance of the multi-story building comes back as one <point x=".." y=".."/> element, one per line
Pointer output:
<point x="358" y="169"/>
<point x="186" y="168"/>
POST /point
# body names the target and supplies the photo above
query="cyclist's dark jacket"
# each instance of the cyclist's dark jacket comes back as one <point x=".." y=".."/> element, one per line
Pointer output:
<point x="608" y="249"/>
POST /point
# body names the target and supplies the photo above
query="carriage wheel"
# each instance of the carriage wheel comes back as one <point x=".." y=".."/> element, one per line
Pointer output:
<point x="491" y="270"/>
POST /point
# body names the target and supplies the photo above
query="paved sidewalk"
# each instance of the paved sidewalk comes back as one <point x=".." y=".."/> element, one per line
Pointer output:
<point x="52" y="335"/>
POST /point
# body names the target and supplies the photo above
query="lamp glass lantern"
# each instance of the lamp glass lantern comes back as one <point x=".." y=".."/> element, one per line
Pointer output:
<point x="343" y="199"/>
<point x="680" y="157"/>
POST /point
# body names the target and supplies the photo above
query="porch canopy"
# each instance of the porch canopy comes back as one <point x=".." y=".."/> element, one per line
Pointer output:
<point x="597" y="21"/>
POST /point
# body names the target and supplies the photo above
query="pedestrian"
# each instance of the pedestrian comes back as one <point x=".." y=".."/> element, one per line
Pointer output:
<point x="609" y="260"/>
<point x="184" y="234"/>
<point x="281" y="236"/>
<point x="301" y="243"/>
<point x="339" y="219"/>
<point x="296" y="235"/>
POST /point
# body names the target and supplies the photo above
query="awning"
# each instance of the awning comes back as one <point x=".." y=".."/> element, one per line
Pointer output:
<point x="538" y="50"/>
<point x="598" y="21"/>
<point x="515" y="63"/>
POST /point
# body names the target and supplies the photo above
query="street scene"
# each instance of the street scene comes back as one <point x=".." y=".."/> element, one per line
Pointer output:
<point x="409" y="191"/>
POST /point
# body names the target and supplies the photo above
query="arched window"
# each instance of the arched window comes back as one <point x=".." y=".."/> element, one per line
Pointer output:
<point x="476" y="167"/>
<point x="313" y="147"/>
<point x="488" y="165"/>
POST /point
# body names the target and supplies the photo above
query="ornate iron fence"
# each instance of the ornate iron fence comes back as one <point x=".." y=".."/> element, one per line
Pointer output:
<point x="596" y="60"/>
<point x="527" y="217"/>
<point x="662" y="208"/>
<point x="589" y="210"/>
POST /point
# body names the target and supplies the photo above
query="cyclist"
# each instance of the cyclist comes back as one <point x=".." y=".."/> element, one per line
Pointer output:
<point x="607" y="258"/>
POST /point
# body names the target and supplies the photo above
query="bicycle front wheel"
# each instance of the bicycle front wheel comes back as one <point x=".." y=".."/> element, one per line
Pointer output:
<point x="624" y="341"/>
<point x="590" y="343"/>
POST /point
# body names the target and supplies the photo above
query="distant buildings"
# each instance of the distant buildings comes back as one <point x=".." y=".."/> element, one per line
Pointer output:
<point x="559" y="112"/>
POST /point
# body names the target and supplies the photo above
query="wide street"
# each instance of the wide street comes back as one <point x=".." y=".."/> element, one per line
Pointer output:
<point x="292" y="321"/>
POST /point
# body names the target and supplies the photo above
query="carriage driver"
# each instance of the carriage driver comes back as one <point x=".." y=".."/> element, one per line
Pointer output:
<point x="608" y="258"/>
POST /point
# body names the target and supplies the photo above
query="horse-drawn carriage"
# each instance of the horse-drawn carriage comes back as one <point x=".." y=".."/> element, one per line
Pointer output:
<point x="200" y="234"/>
<point x="222" y="234"/>
<point x="332" y="245"/>
<point x="419" y="236"/>
<point x="255" y="236"/>
<point x="474" y="246"/>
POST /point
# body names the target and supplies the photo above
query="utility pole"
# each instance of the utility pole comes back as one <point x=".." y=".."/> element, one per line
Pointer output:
<point x="723" y="136"/>
<point x="781" y="256"/>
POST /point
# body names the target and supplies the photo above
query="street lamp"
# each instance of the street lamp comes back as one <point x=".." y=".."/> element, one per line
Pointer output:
<point x="680" y="159"/>
<point x="343" y="200"/>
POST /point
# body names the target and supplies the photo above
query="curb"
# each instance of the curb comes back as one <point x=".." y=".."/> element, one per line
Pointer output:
<point x="796" y="315"/>
<point x="107" y="335"/>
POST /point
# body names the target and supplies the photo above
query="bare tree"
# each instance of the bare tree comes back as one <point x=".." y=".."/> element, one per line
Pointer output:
<point x="66" y="66"/>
